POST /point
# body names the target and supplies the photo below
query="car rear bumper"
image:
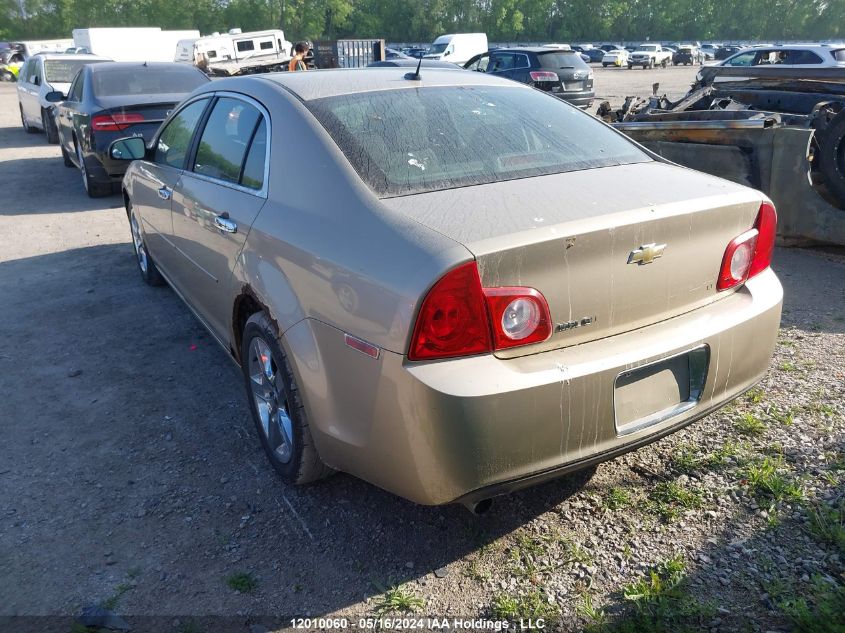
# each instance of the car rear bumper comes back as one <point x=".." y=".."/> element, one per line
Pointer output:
<point x="467" y="429"/>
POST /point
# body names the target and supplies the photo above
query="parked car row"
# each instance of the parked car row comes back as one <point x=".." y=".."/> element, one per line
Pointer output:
<point x="83" y="102"/>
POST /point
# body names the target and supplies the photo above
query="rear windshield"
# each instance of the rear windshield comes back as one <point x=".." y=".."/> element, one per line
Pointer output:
<point x="839" y="55"/>
<point x="556" y="61"/>
<point x="138" y="80"/>
<point x="62" y="71"/>
<point x="411" y="141"/>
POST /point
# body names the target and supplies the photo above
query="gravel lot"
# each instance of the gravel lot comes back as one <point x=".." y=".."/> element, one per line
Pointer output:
<point x="131" y="476"/>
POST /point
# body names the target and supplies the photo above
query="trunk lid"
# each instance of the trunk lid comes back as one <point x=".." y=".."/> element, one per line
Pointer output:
<point x="153" y="113"/>
<point x="576" y="237"/>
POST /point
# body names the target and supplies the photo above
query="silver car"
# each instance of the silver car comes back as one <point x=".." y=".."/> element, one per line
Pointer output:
<point x="428" y="283"/>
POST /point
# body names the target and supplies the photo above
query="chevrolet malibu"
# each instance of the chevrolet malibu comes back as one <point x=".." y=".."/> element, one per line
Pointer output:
<point x="427" y="282"/>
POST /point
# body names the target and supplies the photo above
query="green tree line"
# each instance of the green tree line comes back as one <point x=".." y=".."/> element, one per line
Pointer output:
<point x="422" y="20"/>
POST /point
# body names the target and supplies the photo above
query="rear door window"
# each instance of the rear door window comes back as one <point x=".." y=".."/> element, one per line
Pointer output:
<point x="225" y="140"/>
<point x="252" y="175"/>
<point x="175" y="139"/>
<point x="802" y="57"/>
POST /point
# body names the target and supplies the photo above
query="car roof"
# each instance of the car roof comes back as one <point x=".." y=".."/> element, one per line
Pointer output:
<point x="316" y="84"/>
<point x="800" y="47"/>
<point x="540" y="50"/>
<point x="112" y="66"/>
<point x="47" y="56"/>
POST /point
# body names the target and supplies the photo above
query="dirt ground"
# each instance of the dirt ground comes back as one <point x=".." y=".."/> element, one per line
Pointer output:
<point x="131" y="475"/>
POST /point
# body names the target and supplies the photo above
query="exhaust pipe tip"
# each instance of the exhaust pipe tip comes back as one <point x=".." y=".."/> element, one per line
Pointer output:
<point x="479" y="507"/>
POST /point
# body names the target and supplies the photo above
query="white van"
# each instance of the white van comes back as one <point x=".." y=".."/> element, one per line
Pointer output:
<point x="457" y="48"/>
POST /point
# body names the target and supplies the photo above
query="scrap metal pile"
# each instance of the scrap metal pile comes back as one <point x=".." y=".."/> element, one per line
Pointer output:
<point x="780" y="130"/>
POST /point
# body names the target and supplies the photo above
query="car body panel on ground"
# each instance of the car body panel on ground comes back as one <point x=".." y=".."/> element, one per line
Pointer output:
<point x="628" y="277"/>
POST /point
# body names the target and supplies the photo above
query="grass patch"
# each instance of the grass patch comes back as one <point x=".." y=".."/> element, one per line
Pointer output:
<point x="788" y="366"/>
<point x="755" y="395"/>
<point x="819" y="608"/>
<point x="750" y="425"/>
<point x="821" y="408"/>
<point x="688" y="460"/>
<point x="661" y="602"/>
<point x="242" y="582"/>
<point x="827" y="524"/>
<point x="769" y="479"/>
<point x="596" y="618"/>
<point x="669" y="499"/>
<point x="532" y="605"/>
<point x="398" y="599"/>
<point x="616" y="499"/>
<point x="783" y="417"/>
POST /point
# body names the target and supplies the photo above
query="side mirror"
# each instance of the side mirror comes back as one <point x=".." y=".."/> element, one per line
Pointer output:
<point x="447" y="53"/>
<point x="54" y="96"/>
<point x="131" y="148"/>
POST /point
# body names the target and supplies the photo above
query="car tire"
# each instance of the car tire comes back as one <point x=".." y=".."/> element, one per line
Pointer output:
<point x="276" y="406"/>
<point x="50" y="128"/>
<point x="6" y="75"/>
<point x="26" y="126"/>
<point x="92" y="188"/>
<point x="630" y="67"/>
<point x="604" y="65"/>
<point x="831" y="156"/>
<point x="146" y="265"/>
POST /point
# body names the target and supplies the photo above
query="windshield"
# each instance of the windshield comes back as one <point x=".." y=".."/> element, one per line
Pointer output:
<point x="411" y="141"/>
<point x="62" y="71"/>
<point x="561" y="60"/>
<point x="647" y="48"/>
<point x="436" y="49"/>
<point x="135" y="80"/>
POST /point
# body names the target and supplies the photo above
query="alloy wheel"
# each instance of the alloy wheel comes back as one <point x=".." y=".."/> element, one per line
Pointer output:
<point x="270" y="399"/>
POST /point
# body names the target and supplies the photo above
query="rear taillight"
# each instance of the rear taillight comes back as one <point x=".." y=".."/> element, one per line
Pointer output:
<point x="460" y="318"/>
<point x="543" y="75"/>
<point x="518" y="316"/>
<point x="751" y="252"/>
<point x="115" y="122"/>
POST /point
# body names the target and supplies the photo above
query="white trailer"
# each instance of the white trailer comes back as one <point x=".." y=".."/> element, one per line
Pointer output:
<point x="235" y="52"/>
<point x="140" y="44"/>
<point x="33" y="47"/>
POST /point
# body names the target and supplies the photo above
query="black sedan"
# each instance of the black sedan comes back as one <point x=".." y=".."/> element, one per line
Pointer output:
<point x="112" y="100"/>
<point x="560" y="72"/>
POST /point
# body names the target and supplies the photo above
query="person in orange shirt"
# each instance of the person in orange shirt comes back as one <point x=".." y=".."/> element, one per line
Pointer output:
<point x="298" y="61"/>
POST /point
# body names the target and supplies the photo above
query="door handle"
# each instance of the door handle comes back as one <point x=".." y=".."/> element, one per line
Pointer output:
<point x="223" y="223"/>
<point x="164" y="193"/>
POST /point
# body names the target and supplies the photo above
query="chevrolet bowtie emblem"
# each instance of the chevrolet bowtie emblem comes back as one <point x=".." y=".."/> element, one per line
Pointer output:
<point x="646" y="253"/>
